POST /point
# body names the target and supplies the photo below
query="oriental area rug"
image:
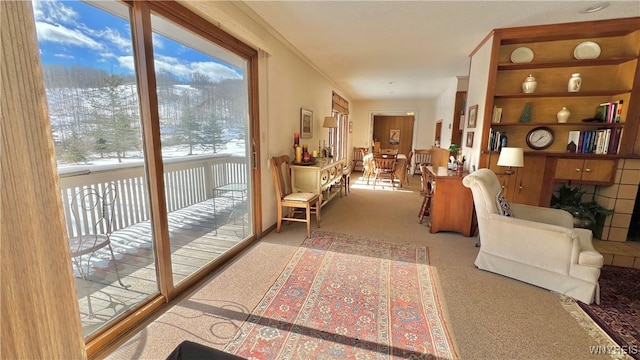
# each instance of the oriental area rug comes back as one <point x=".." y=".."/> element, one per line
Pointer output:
<point x="344" y="297"/>
<point x="619" y="311"/>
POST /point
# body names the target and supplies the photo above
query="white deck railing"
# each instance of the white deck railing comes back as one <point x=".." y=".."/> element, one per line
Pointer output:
<point x="188" y="181"/>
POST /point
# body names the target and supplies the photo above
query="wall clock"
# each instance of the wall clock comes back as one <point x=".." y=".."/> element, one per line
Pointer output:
<point x="540" y="138"/>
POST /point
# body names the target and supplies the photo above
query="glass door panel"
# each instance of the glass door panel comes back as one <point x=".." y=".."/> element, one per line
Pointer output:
<point x="86" y="53"/>
<point x="203" y="108"/>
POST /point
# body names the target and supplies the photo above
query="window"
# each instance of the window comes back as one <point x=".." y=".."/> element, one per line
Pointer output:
<point x="340" y="110"/>
<point x="203" y="123"/>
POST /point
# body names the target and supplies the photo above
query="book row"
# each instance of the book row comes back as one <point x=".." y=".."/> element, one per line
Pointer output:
<point x="609" y="112"/>
<point x="600" y="141"/>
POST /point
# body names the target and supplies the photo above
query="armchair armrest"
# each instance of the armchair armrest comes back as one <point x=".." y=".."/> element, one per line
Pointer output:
<point x="541" y="245"/>
<point x="543" y="215"/>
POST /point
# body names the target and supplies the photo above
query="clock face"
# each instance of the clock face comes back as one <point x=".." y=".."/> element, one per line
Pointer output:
<point x="540" y="138"/>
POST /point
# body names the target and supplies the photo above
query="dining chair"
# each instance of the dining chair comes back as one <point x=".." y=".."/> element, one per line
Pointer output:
<point x="384" y="165"/>
<point x="358" y="154"/>
<point x="93" y="215"/>
<point x="409" y="158"/>
<point x="368" y="166"/>
<point x="422" y="156"/>
<point x="425" y="208"/>
<point x="294" y="202"/>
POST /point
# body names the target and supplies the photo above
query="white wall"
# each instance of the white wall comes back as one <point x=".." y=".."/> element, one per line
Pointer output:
<point x="286" y="82"/>
<point x="476" y="95"/>
<point x="445" y="105"/>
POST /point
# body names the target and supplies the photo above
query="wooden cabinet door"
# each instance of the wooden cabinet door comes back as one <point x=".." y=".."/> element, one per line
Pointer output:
<point x="529" y="181"/>
<point x="504" y="183"/>
<point x="569" y="169"/>
<point x="598" y="171"/>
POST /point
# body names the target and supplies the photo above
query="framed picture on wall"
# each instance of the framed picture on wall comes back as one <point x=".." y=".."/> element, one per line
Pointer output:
<point x="306" y="123"/>
<point x="394" y="137"/>
<point x="473" y="114"/>
<point x="469" y="139"/>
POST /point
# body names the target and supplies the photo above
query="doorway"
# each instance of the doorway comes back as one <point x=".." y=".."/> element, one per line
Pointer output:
<point x="438" y="136"/>
<point x="394" y="132"/>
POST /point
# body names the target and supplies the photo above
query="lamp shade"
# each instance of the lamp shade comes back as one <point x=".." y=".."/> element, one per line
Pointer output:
<point x="511" y="156"/>
<point x="330" y="122"/>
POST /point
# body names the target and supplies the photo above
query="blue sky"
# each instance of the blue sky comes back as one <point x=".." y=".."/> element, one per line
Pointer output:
<point x="75" y="33"/>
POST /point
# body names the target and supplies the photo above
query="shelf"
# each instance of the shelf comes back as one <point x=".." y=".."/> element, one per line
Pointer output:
<point x="572" y="125"/>
<point x="563" y="64"/>
<point x="565" y="94"/>
<point x="568" y="155"/>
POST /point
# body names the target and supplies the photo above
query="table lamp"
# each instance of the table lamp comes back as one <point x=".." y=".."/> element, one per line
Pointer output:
<point x="331" y="123"/>
<point x="511" y="157"/>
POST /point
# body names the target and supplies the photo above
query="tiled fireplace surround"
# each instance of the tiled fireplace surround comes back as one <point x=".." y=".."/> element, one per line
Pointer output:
<point x="621" y="197"/>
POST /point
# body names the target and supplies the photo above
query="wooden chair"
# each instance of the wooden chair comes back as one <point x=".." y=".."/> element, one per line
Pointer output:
<point x="358" y="154"/>
<point x="346" y="180"/>
<point x="422" y="156"/>
<point x="385" y="165"/>
<point x="368" y="166"/>
<point x="409" y="157"/>
<point x="281" y="168"/>
<point x="425" y="208"/>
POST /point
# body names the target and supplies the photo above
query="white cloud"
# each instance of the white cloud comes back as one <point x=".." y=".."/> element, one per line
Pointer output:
<point x="64" y="56"/>
<point x="215" y="71"/>
<point x="127" y="62"/>
<point x="65" y="36"/>
<point x="54" y="12"/>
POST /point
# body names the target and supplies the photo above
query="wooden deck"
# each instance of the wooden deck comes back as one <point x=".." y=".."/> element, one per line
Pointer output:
<point x="198" y="235"/>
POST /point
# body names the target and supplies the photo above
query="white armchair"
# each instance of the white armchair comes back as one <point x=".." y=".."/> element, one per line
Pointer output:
<point x="536" y="245"/>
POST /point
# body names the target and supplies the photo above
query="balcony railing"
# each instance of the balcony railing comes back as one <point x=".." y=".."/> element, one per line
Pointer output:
<point x="188" y="181"/>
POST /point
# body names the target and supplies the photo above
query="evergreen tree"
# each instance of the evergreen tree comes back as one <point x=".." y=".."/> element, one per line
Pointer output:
<point x="74" y="149"/>
<point x="114" y="111"/>
<point x="212" y="132"/>
<point x="190" y="129"/>
<point x="101" y="146"/>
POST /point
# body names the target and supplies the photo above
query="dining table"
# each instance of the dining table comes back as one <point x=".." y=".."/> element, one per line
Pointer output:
<point x="401" y="167"/>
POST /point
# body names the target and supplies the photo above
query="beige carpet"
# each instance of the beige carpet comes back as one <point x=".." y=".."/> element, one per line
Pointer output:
<point x="489" y="316"/>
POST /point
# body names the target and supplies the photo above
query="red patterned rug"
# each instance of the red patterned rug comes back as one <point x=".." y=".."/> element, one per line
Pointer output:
<point x="619" y="311"/>
<point x="342" y="297"/>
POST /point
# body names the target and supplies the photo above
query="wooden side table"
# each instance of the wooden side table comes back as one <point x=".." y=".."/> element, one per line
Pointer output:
<point x="452" y="203"/>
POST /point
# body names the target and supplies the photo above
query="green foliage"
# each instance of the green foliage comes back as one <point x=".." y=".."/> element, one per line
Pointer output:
<point x="101" y="146"/>
<point x="212" y="133"/>
<point x="454" y="148"/>
<point x="570" y="199"/>
<point x="189" y="126"/>
<point x="74" y="149"/>
<point x="114" y="117"/>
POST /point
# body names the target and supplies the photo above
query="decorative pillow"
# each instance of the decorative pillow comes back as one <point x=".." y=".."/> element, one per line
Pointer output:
<point x="503" y="205"/>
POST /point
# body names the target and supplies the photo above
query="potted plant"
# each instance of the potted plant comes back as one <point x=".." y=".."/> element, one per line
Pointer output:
<point x="453" y="152"/>
<point x="453" y="148"/>
<point x="586" y="214"/>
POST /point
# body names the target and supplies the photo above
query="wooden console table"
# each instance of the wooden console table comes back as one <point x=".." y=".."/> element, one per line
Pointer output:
<point x="318" y="178"/>
<point x="452" y="203"/>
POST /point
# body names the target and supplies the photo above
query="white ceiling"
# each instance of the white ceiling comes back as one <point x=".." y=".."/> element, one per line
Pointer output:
<point x="408" y="49"/>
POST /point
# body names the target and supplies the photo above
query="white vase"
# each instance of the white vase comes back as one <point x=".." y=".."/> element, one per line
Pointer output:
<point x="574" y="83"/>
<point x="529" y="84"/>
<point x="563" y="115"/>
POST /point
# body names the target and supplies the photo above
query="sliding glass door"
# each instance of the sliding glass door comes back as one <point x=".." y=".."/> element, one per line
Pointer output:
<point x="145" y="213"/>
<point x="203" y="109"/>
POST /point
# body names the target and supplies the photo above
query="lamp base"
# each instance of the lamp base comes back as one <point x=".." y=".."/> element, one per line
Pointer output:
<point x="509" y="171"/>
